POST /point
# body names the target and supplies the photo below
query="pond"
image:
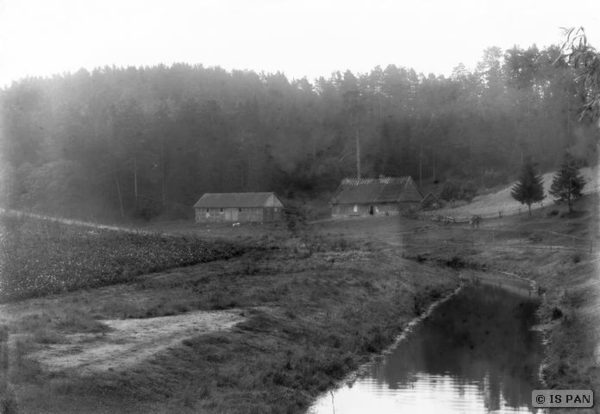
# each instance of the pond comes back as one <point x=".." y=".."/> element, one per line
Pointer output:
<point x="475" y="353"/>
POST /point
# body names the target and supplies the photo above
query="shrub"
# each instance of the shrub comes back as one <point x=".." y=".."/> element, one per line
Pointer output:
<point x="450" y="191"/>
<point x="457" y="190"/>
<point x="295" y="217"/>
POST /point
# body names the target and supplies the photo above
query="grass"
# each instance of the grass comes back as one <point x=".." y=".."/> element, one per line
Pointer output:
<point x="40" y="257"/>
<point x="489" y="205"/>
<point x="317" y="306"/>
<point x="310" y="321"/>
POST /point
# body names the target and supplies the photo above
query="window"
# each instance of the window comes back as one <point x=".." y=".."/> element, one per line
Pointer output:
<point x="220" y="210"/>
<point x="207" y="210"/>
<point x="240" y="210"/>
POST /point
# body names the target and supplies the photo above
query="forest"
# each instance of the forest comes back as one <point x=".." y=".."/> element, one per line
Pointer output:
<point x="147" y="142"/>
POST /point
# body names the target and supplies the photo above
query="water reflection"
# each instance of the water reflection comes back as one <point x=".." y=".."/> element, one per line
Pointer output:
<point x="474" y="354"/>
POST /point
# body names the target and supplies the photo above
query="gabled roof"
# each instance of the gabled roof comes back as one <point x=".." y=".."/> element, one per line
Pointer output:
<point x="375" y="190"/>
<point x="233" y="200"/>
<point x="430" y="197"/>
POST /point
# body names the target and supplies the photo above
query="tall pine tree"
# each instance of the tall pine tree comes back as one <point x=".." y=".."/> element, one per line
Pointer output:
<point x="568" y="181"/>
<point x="530" y="186"/>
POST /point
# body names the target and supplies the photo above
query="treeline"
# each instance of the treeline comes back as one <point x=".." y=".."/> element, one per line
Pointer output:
<point x="149" y="141"/>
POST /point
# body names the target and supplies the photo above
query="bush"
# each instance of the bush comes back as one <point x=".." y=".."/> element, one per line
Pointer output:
<point x="457" y="190"/>
<point x="450" y="191"/>
<point x="295" y="217"/>
<point x="469" y="191"/>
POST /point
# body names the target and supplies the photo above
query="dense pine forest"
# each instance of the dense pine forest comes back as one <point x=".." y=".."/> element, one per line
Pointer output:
<point x="147" y="142"/>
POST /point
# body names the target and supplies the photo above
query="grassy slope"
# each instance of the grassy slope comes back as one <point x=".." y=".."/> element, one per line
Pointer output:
<point x="318" y="306"/>
<point x="491" y="204"/>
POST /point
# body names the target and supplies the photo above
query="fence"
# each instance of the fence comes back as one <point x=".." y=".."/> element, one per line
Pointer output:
<point x="462" y="218"/>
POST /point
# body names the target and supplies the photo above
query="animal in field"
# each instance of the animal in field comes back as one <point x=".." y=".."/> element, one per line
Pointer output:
<point x="475" y="221"/>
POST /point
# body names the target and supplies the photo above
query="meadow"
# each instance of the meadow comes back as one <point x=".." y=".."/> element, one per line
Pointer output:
<point x="313" y="307"/>
<point x="500" y="203"/>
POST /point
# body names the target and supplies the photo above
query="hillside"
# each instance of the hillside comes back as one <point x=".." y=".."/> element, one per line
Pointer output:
<point x="490" y="205"/>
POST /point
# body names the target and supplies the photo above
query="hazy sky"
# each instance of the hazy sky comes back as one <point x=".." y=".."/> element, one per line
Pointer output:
<point x="301" y="38"/>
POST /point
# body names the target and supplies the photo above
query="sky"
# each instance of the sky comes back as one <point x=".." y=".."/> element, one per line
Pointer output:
<point x="309" y="38"/>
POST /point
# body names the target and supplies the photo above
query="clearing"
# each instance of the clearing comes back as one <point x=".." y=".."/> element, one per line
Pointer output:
<point x="501" y="203"/>
<point x="130" y="341"/>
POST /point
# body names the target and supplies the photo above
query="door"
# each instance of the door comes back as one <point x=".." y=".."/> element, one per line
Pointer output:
<point x="231" y="214"/>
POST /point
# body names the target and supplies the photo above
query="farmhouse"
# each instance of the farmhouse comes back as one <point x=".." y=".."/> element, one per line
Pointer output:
<point x="238" y="207"/>
<point x="375" y="196"/>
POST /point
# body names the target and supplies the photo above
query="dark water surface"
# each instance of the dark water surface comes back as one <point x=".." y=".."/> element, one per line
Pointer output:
<point x="475" y="353"/>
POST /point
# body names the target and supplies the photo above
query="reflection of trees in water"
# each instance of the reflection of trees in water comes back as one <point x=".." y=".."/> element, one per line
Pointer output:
<point x="480" y="337"/>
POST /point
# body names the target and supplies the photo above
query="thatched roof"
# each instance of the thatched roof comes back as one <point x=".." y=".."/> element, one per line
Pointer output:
<point x="235" y="200"/>
<point x="377" y="190"/>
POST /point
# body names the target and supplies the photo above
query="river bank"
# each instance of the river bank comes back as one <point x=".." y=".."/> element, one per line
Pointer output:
<point x="560" y="255"/>
<point x="474" y="353"/>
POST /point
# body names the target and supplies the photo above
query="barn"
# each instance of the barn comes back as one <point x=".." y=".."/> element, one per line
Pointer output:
<point x="375" y="196"/>
<point x="238" y="207"/>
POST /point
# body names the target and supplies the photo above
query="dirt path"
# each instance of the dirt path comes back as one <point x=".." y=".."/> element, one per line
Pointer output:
<point x="131" y="341"/>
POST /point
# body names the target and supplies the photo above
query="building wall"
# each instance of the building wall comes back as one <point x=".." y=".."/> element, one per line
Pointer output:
<point x="273" y="214"/>
<point x="244" y="214"/>
<point x="364" y="210"/>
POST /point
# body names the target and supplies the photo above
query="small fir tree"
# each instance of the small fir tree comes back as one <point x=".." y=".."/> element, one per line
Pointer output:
<point x="529" y="188"/>
<point x="568" y="181"/>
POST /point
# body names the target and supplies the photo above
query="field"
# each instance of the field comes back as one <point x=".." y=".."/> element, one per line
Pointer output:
<point x="266" y="319"/>
<point x="264" y="331"/>
<point x="40" y="257"/>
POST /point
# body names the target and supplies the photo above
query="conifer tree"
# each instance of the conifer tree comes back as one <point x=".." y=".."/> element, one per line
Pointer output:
<point x="529" y="188"/>
<point x="568" y="181"/>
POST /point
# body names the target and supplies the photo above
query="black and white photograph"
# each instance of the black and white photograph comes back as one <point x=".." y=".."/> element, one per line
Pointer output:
<point x="299" y="207"/>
